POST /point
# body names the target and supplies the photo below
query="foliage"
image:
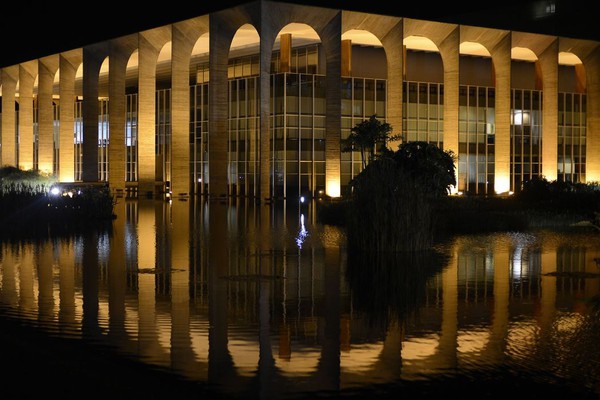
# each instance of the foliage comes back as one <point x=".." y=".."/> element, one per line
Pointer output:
<point x="18" y="181"/>
<point x="392" y="200"/>
<point x="367" y="137"/>
<point x="27" y="205"/>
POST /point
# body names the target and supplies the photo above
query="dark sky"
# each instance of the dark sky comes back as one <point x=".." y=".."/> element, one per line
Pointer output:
<point x="43" y="28"/>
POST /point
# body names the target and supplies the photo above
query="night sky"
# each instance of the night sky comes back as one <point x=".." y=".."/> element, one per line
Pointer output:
<point x="45" y="28"/>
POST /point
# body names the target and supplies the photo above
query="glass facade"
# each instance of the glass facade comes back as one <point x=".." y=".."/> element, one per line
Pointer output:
<point x="423" y="116"/>
<point x="103" y="137"/>
<point x="571" y="137"/>
<point x="525" y="137"/>
<point x="297" y="133"/>
<point x="244" y="127"/>
<point x="131" y="153"/>
<point x="78" y="139"/>
<point x="163" y="135"/>
<point x="297" y="128"/>
<point x="476" y="130"/>
<point x="361" y="98"/>
<point x="199" y="135"/>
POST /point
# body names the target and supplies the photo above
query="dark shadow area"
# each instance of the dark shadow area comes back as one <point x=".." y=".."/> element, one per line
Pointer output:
<point x="390" y="287"/>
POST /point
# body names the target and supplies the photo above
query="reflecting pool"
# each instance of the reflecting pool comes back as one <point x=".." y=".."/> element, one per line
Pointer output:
<point x="265" y="302"/>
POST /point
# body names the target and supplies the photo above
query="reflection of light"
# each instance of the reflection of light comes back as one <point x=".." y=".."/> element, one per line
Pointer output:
<point x="302" y="234"/>
<point x="473" y="341"/>
<point x="420" y="348"/>
<point x="333" y="187"/>
<point x="361" y="357"/>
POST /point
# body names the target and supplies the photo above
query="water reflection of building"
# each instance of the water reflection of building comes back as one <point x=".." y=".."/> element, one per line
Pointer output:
<point x="136" y="110"/>
<point x="161" y="289"/>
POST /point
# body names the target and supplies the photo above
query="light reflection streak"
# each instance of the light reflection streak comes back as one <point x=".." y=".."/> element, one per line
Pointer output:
<point x="302" y="234"/>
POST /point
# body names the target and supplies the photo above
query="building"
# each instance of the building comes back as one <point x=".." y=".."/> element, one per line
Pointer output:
<point x="254" y="100"/>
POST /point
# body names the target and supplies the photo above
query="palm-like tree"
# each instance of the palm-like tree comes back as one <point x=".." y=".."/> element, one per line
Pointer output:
<point x="367" y="136"/>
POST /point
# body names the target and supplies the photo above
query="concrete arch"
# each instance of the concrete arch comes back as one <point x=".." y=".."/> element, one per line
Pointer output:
<point x="224" y="24"/>
<point x="446" y="38"/>
<point x="389" y="31"/>
<point x="499" y="44"/>
<point x="70" y="64"/>
<point x="120" y="54"/>
<point x="10" y="77"/>
<point x="154" y="61"/>
<point x="184" y="36"/>
<point x="28" y="72"/>
<point x="48" y="71"/>
<point x="92" y="60"/>
<point x="542" y="50"/>
<point x="589" y="53"/>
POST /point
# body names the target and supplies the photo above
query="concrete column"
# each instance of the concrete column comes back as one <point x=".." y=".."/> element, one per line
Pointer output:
<point x="10" y="76"/>
<point x="69" y="62"/>
<point x="501" y="58"/>
<point x="548" y="285"/>
<point x="592" y="68"/>
<point x="9" y="294"/>
<point x="347" y="57"/>
<point x="150" y="43"/>
<point x="332" y="39"/>
<point x="119" y="54"/>
<point x="67" y="316"/>
<point x="180" y="111"/>
<point x="220" y="41"/>
<point x="446" y="355"/>
<point x="27" y="73"/>
<point x="93" y="56"/>
<point x="450" y="53"/>
<point x="494" y="351"/>
<point x="182" y="354"/>
<point x="267" y="38"/>
<point x="285" y="52"/>
<point x="395" y="52"/>
<point x="27" y="282"/>
<point x="580" y="80"/>
<point x="146" y="263"/>
<point x="47" y="70"/>
<point x="117" y="278"/>
<point x="44" y="261"/>
<point x="548" y="62"/>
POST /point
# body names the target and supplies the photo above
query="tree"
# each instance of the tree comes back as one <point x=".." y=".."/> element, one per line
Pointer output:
<point x="367" y="136"/>
<point x="392" y="201"/>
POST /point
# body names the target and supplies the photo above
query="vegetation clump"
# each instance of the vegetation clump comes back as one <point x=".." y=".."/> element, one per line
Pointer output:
<point x="31" y="202"/>
<point x="392" y="201"/>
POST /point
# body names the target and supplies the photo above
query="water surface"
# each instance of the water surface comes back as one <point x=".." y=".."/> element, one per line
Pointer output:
<point x="264" y="302"/>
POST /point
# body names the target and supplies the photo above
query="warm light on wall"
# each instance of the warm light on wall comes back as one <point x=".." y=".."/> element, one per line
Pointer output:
<point x="45" y="169"/>
<point x="502" y="182"/>
<point x="332" y="187"/>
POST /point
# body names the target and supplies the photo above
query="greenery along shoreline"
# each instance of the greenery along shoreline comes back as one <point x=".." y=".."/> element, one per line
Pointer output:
<point x="541" y="204"/>
<point x="33" y="203"/>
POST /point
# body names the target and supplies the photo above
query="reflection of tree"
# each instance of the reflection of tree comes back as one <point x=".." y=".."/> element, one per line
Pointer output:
<point x="389" y="287"/>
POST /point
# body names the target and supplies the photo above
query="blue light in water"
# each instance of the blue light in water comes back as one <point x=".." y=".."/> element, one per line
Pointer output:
<point x="302" y="234"/>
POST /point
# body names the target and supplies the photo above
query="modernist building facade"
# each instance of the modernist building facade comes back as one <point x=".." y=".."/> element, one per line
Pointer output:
<point x="255" y="101"/>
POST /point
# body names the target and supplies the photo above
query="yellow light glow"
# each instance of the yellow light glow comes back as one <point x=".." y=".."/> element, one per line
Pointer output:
<point x="332" y="187"/>
<point x="502" y="183"/>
